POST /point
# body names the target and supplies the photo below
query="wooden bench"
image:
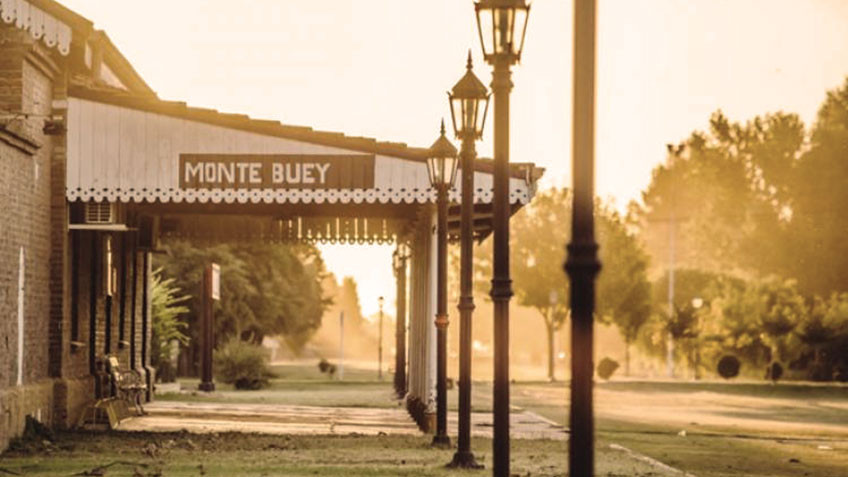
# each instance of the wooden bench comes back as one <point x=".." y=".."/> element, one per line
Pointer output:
<point x="128" y="386"/>
<point x="127" y="390"/>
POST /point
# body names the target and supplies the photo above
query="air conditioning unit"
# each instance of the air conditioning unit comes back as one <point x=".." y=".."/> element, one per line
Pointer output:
<point x="100" y="213"/>
<point x="107" y="216"/>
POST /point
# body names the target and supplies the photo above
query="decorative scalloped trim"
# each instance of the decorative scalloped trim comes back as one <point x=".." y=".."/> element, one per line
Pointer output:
<point x="291" y="196"/>
<point x="40" y="25"/>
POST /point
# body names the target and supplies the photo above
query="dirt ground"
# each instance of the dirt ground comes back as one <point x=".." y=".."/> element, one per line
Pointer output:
<point x="139" y="454"/>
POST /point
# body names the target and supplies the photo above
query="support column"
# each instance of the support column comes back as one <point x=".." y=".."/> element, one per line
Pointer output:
<point x="430" y="350"/>
<point x="414" y="334"/>
<point x="146" y="328"/>
<point x="208" y="334"/>
<point x="441" y="438"/>
<point x="400" y="326"/>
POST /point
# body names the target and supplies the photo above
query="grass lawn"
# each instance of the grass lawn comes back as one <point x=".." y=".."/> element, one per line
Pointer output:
<point x="302" y="383"/>
<point x="709" y="429"/>
<point x="182" y="454"/>
<point x="748" y="429"/>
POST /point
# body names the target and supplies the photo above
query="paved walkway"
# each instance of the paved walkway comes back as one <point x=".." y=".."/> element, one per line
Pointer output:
<point x="166" y="416"/>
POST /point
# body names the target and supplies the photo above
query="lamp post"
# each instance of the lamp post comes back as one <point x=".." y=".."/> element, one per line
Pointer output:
<point x="501" y="25"/>
<point x="380" y="344"/>
<point x="399" y="262"/>
<point x="582" y="264"/>
<point x="442" y="168"/>
<point x="469" y="103"/>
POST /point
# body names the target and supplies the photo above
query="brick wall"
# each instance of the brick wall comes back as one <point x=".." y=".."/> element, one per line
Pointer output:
<point x="26" y="96"/>
<point x="69" y="320"/>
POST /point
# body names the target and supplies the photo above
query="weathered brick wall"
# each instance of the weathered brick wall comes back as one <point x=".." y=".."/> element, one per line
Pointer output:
<point x="26" y="73"/>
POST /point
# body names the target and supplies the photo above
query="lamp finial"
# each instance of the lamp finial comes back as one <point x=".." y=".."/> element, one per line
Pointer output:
<point x="469" y="66"/>
<point x="443" y="127"/>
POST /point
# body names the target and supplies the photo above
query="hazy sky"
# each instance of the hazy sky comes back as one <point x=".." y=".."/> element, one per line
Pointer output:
<point x="380" y="68"/>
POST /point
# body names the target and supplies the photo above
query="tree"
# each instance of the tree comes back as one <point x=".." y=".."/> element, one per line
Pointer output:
<point x="266" y="289"/>
<point x="759" y="320"/>
<point x="166" y="307"/>
<point x="760" y="198"/>
<point x="537" y="245"/>
<point x="818" y="202"/>
<point x="694" y="290"/>
<point x="721" y="197"/>
<point x="349" y="302"/>
<point x="825" y="332"/>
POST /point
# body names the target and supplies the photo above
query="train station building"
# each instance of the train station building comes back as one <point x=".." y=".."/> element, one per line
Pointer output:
<point x="96" y="170"/>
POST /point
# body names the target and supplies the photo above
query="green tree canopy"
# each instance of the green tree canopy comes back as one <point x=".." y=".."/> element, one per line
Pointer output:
<point x="266" y="289"/>
<point x="539" y="234"/>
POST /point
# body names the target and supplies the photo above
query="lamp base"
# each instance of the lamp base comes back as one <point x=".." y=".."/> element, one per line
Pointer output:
<point x="441" y="441"/>
<point x="464" y="460"/>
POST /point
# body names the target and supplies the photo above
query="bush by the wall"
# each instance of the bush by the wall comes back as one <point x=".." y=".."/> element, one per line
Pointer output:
<point x="243" y="364"/>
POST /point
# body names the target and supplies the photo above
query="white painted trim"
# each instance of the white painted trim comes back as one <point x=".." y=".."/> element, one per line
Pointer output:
<point x="21" y="300"/>
<point x="39" y="24"/>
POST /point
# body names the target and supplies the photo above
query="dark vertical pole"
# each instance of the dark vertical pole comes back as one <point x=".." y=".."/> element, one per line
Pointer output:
<point x="122" y="307"/>
<point x="464" y="457"/>
<point x="75" y="273"/>
<point x="107" y="269"/>
<point x="501" y="282"/>
<point x="582" y="265"/>
<point x="380" y="345"/>
<point x="441" y="438"/>
<point x="206" y="383"/>
<point x="133" y="302"/>
<point x="400" y="328"/>
<point x="92" y="304"/>
<point x="145" y="318"/>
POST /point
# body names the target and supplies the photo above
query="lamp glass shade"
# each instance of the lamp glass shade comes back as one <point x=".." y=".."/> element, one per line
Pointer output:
<point x="468" y="114"/>
<point x="442" y="161"/>
<point x="442" y="170"/>
<point x="502" y="25"/>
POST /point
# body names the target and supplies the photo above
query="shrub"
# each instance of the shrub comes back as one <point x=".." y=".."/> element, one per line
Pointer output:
<point x="606" y="368"/>
<point x="326" y="367"/>
<point x="728" y="367"/>
<point x="774" y="371"/>
<point x="243" y="364"/>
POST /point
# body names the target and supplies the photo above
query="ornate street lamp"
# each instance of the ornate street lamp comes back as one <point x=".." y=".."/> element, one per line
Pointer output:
<point x="442" y="168"/>
<point x="469" y="102"/>
<point x="582" y="265"/>
<point x="399" y="258"/>
<point x="502" y="25"/>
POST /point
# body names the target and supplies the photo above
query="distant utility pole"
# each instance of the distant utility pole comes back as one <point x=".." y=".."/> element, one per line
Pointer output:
<point x="380" y="345"/>
<point x="674" y="153"/>
<point x="672" y="225"/>
<point x="341" y="345"/>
